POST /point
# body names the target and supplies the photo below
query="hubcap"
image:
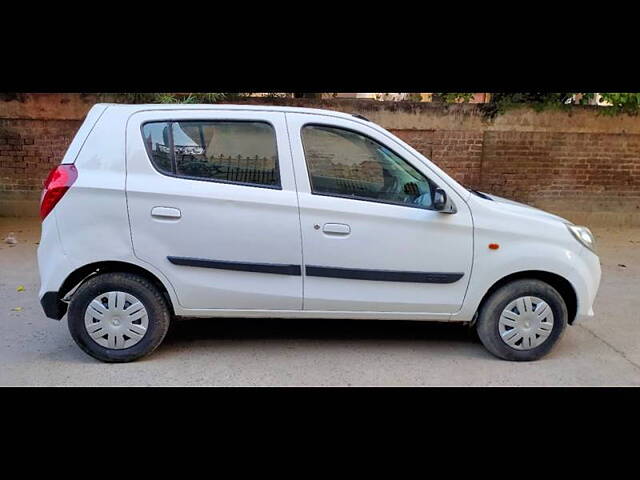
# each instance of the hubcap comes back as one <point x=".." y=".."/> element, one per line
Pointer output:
<point x="526" y="323"/>
<point x="116" y="320"/>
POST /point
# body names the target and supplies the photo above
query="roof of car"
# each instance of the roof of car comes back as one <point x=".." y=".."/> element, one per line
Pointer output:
<point x="222" y="106"/>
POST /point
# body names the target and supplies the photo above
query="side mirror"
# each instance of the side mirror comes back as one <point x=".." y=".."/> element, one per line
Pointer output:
<point x="439" y="199"/>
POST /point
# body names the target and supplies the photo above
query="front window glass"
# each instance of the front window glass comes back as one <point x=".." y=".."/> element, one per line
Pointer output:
<point x="348" y="164"/>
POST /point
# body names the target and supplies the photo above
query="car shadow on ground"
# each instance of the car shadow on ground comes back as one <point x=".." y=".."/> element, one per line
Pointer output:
<point x="186" y="330"/>
<point x="234" y="333"/>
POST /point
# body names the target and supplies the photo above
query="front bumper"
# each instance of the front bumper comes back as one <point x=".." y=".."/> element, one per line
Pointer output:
<point x="591" y="282"/>
<point x="581" y="317"/>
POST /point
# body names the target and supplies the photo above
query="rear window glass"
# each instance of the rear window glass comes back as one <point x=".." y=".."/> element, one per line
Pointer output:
<point x="224" y="151"/>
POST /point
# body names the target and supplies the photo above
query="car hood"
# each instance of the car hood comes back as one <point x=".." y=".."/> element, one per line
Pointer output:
<point x="524" y="209"/>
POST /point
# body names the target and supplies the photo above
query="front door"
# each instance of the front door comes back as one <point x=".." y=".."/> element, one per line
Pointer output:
<point x="372" y="241"/>
<point x="213" y="206"/>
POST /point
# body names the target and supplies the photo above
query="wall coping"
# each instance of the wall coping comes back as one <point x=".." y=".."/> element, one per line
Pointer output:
<point x="390" y="115"/>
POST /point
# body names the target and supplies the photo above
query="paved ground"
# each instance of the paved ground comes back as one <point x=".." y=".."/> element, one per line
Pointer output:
<point x="37" y="351"/>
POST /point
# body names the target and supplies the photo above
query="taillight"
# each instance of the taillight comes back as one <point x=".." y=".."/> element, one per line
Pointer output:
<point x="55" y="186"/>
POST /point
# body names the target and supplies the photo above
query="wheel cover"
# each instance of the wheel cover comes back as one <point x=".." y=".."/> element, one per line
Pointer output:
<point x="526" y="323"/>
<point x="116" y="320"/>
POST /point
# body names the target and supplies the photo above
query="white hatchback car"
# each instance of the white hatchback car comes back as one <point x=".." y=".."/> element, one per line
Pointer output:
<point x="164" y="211"/>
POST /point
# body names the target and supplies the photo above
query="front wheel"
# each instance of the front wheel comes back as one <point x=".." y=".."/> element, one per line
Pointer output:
<point x="522" y="320"/>
<point x="118" y="317"/>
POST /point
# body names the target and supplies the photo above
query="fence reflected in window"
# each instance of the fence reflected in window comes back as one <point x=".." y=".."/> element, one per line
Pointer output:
<point x="227" y="151"/>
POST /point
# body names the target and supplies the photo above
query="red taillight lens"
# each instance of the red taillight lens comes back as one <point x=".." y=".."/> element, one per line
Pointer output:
<point x="55" y="186"/>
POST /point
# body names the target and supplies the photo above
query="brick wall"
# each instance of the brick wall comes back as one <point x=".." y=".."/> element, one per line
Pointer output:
<point x="581" y="165"/>
<point x="28" y="151"/>
<point x="532" y="167"/>
<point x="564" y="166"/>
<point x="458" y="152"/>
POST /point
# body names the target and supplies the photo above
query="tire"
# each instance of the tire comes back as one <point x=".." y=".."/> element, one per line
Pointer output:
<point x="491" y="320"/>
<point x="146" y="304"/>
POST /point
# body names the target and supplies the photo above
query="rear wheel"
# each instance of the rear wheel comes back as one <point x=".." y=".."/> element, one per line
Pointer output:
<point x="118" y="317"/>
<point x="522" y="320"/>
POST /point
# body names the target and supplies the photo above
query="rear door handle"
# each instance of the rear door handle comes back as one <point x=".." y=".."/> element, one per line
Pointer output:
<point x="165" y="212"/>
<point x="336" y="229"/>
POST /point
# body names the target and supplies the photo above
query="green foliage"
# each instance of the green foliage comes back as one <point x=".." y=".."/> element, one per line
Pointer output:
<point x="192" y="98"/>
<point x="167" y="97"/>
<point x="413" y="97"/>
<point x="628" y="103"/>
<point x="611" y="103"/>
<point x="462" y="97"/>
<point x="614" y="103"/>
<point x="539" y="101"/>
<point x="398" y="97"/>
<point x="130" y="97"/>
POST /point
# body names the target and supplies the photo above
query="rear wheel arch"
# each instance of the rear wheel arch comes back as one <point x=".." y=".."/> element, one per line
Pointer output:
<point x="80" y="275"/>
<point x="561" y="284"/>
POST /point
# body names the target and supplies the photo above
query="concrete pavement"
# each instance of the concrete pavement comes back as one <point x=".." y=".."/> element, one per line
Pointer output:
<point x="35" y="350"/>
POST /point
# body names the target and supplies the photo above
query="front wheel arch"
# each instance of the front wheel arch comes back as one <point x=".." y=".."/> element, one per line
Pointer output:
<point x="561" y="284"/>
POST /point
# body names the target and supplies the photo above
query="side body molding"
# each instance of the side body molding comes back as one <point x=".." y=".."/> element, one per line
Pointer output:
<point x="318" y="271"/>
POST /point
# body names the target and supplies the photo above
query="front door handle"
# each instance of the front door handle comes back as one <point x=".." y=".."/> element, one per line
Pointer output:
<point x="166" y="212"/>
<point x="336" y="228"/>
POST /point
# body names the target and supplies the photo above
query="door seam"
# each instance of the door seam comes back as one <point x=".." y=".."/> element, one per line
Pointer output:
<point x="295" y="183"/>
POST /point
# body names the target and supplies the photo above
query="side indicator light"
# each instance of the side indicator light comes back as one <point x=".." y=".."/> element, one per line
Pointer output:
<point x="494" y="246"/>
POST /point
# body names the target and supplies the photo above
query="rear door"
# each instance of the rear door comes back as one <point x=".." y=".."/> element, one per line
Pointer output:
<point x="213" y="206"/>
<point x="371" y="240"/>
